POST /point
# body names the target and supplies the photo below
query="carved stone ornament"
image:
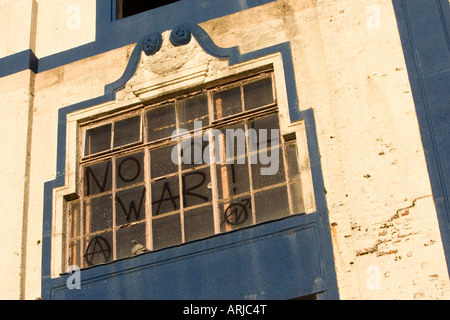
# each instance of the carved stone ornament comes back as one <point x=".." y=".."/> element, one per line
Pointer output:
<point x="173" y="60"/>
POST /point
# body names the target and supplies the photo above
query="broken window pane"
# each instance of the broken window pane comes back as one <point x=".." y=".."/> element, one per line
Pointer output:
<point x="130" y="205"/>
<point x="97" y="139"/>
<point x="124" y="236"/>
<point x="161" y="163"/>
<point x="129" y="169"/>
<point x="160" y="122"/>
<point x="97" y="178"/>
<point x="235" y="213"/>
<point x="193" y="109"/>
<point x="127" y="131"/>
<point x="271" y="204"/>
<point x="166" y="231"/>
<point x="165" y="195"/>
<point x="232" y="143"/>
<point x="198" y="223"/>
<point x="227" y="102"/>
<point x="98" y="213"/>
<point x="258" y="94"/>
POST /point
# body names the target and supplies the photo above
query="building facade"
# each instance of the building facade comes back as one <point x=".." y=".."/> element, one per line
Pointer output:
<point x="242" y="149"/>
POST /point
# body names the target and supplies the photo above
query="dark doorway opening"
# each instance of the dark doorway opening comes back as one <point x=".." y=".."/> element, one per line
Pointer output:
<point x="127" y="8"/>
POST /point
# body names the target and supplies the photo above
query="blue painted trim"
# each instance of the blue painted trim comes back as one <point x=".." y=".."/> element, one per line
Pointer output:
<point x="325" y="280"/>
<point x="424" y="29"/>
<point x="21" y="61"/>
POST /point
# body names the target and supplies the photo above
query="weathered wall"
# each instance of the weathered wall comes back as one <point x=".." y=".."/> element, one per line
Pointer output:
<point x="349" y="69"/>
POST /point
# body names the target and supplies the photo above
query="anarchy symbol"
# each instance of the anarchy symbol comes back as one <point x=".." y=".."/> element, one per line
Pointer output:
<point x="96" y="247"/>
<point x="236" y="213"/>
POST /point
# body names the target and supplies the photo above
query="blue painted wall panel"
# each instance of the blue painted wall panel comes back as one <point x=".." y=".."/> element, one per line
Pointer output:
<point x="424" y="32"/>
<point x="248" y="267"/>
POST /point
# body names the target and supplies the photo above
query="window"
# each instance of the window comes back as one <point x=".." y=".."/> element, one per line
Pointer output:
<point x="184" y="169"/>
<point x="126" y="8"/>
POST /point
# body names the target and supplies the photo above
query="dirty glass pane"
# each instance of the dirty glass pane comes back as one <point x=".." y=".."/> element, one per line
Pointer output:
<point x="165" y="195"/>
<point x="97" y="178"/>
<point x="98" y="249"/>
<point x="196" y="186"/>
<point x="297" y="197"/>
<point x="98" y="213"/>
<point x="198" y="223"/>
<point x="193" y="153"/>
<point x="129" y="169"/>
<point x="268" y="168"/>
<point x="124" y="236"/>
<point x="292" y="161"/>
<point x="166" y="231"/>
<point x="74" y="253"/>
<point x="130" y="205"/>
<point x="74" y="218"/>
<point x="261" y="132"/>
<point x="232" y="142"/>
<point x="97" y="140"/>
<point x="271" y="204"/>
<point x="127" y="131"/>
<point x="232" y="179"/>
<point x="258" y="94"/>
<point x="227" y="102"/>
<point x="161" y="163"/>
<point x="235" y="213"/>
<point x="161" y="122"/>
<point x="193" y="109"/>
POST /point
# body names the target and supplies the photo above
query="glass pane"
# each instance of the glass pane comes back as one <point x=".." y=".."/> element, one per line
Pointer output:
<point x="258" y="93"/>
<point x="125" y="246"/>
<point x="198" y="223"/>
<point x="232" y="179"/>
<point x="74" y="253"/>
<point x="165" y="195"/>
<point x="160" y="122"/>
<point x="129" y="170"/>
<point x="292" y="161"/>
<point x="193" y="153"/>
<point x="232" y="143"/>
<point x="297" y="197"/>
<point x="161" y="163"/>
<point x="267" y="168"/>
<point x="264" y="133"/>
<point x="227" y="102"/>
<point x="166" y="231"/>
<point x="271" y="204"/>
<point x="98" y="213"/>
<point x="98" y="249"/>
<point x="193" y="109"/>
<point x="97" y="178"/>
<point x="130" y="205"/>
<point x="235" y="213"/>
<point x="127" y="131"/>
<point x="196" y="187"/>
<point x="98" y="139"/>
<point x="74" y="218"/>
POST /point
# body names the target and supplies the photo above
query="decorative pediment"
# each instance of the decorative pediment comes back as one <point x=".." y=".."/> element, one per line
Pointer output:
<point x="173" y="60"/>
